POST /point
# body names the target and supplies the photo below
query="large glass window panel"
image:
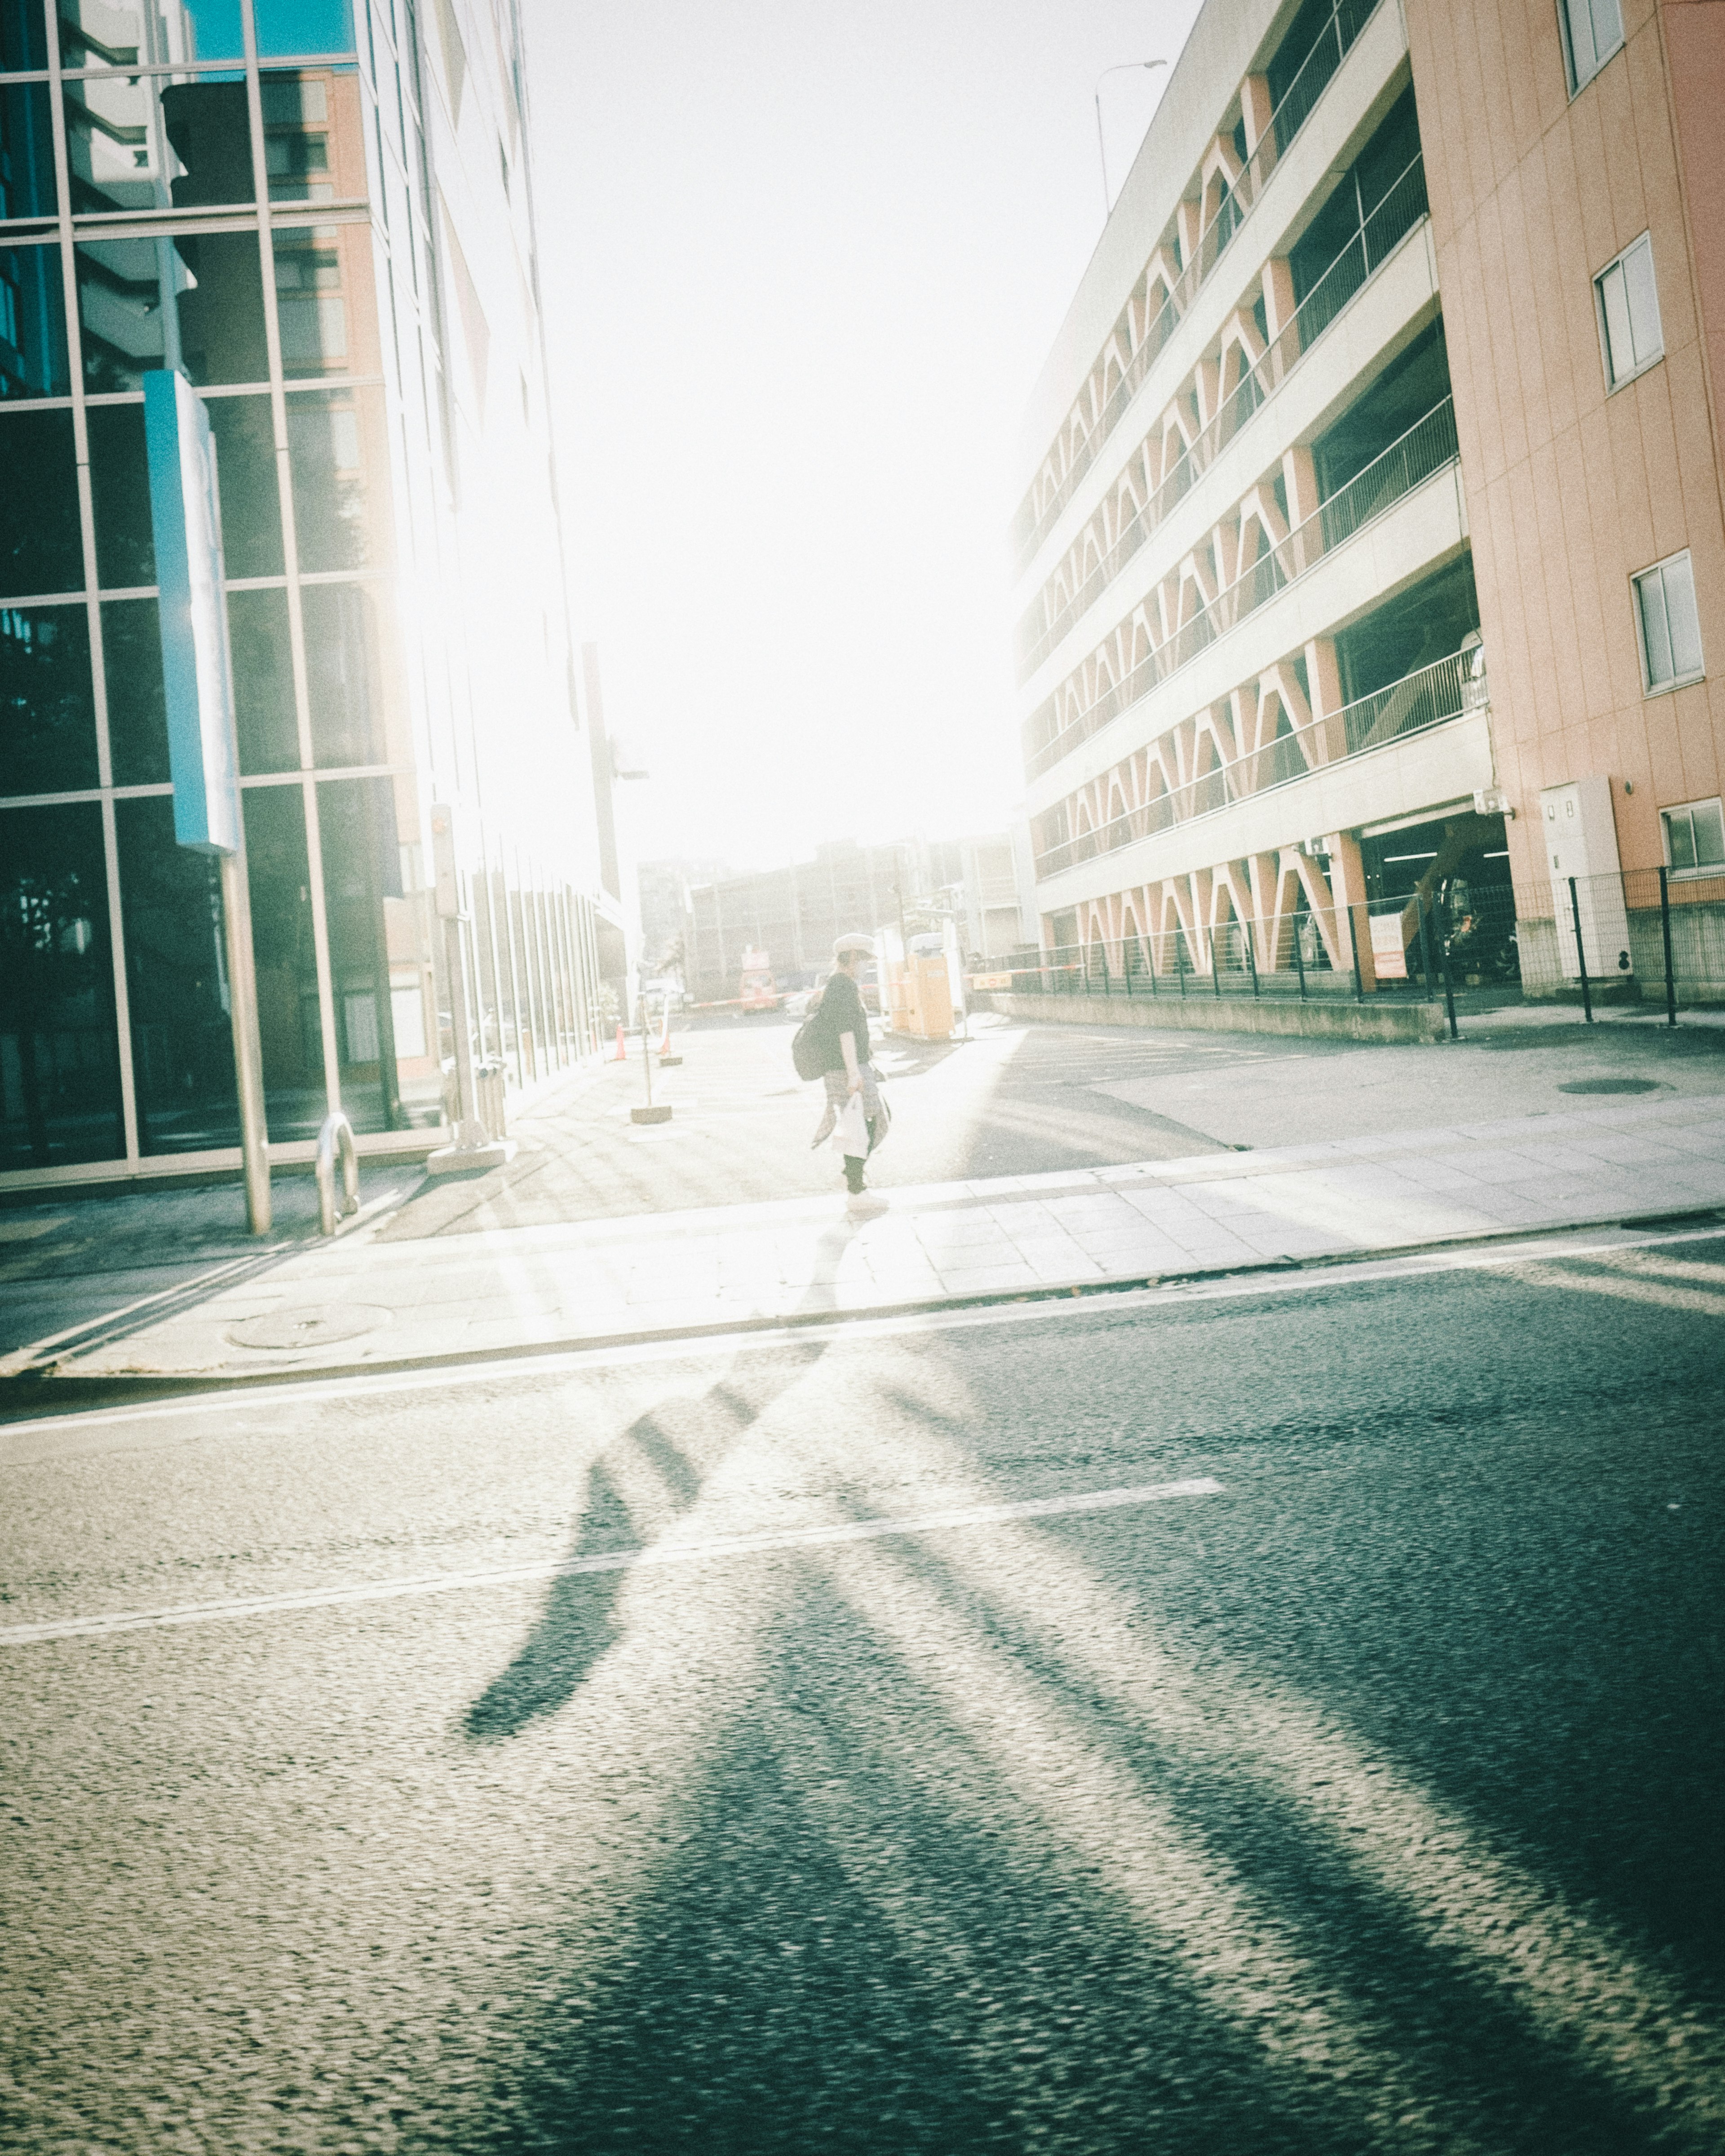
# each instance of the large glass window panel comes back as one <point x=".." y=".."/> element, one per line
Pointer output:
<point x="324" y="301"/>
<point x="221" y="308"/>
<point x="251" y="498"/>
<point x="314" y="137"/>
<point x="119" y="487"/>
<point x="279" y="882"/>
<point x="40" y="547"/>
<point x="338" y="452"/>
<point x="177" y="974"/>
<point x="384" y="1018"/>
<point x="157" y="141"/>
<point x="137" y="707"/>
<point x="59" y="1058"/>
<point x="97" y="33"/>
<point x="23" y="46"/>
<point x="263" y="682"/>
<point x="27" y="188"/>
<point x="33" y="324"/>
<point x="343" y="674"/>
<point x="47" y="741"/>
<point x="305" y="26"/>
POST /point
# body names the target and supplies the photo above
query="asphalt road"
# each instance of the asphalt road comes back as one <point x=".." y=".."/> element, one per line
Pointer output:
<point x="1369" y="1800"/>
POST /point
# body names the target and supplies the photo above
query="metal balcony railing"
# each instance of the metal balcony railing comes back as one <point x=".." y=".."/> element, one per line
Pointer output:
<point x="1400" y="207"/>
<point x="1426" y="698"/>
<point x="1032" y="522"/>
<point x="1426" y="449"/>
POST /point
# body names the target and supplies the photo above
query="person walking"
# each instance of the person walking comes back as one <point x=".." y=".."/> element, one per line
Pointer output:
<point x="843" y="1027"/>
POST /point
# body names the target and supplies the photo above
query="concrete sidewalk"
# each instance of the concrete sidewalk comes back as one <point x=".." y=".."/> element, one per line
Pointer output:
<point x="364" y="1302"/>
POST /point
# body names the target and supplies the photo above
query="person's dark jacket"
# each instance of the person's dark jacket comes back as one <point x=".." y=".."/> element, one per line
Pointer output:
<point x="842" y="1011"/>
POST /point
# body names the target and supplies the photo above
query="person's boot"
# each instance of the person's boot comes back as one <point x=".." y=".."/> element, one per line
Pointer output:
<point x="853" y="1173"/>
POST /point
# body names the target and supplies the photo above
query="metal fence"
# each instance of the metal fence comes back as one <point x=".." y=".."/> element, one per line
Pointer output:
<point x="1037" y="512"/>
<point x="1427" y="448"/>
<point x="1433" y="694"/>
<point x="1646" y="936"/>
<point x="1386" y="225"/>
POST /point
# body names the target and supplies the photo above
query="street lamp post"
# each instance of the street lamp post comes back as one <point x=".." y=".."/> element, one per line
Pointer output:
<point x="1125" y="67"/>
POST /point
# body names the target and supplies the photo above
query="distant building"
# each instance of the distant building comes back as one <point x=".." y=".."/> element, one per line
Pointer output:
<point x="336" y="248"/>
<point x="796" y="914"/>
<point x="665" y="887"/>
<point x="1402" y="353"/>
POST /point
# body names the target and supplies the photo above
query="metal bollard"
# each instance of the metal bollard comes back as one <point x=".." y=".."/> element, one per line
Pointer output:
<point x="488" y="1086"/>
<point x="337" y="1134"/>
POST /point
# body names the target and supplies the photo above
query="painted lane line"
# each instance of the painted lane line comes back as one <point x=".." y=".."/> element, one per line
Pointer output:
<point x="625" y="1560"/>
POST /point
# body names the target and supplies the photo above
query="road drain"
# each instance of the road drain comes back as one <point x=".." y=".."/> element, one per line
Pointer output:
<point x="1615" y="1086"/>
<point x="314" y="1325"/>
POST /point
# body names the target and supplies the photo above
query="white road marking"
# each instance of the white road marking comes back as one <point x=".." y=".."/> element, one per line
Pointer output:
<point x="31" y="1439"/>
<point x="670" y="1551"/>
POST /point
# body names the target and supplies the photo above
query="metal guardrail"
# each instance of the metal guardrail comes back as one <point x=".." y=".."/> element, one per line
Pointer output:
<point x="1397" y="211"/>
<point x="1427" y="448"/>
<point x="1034" y="517"/>
<point x="1428" y="697"/>
<point x="336" y="1136"/>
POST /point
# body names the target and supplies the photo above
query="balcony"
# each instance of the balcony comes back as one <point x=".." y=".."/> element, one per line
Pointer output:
<point x="1432" y="696"/>
<point x="1427" y="448"/>
<point x="1035" y="519"/>
<point x="1402" y="207"/>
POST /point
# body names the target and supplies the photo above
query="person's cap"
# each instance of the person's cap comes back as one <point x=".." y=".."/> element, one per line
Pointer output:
<point x="855" y="941"/>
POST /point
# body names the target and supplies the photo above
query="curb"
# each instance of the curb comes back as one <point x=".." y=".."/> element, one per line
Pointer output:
<point x="34" y="1394"/>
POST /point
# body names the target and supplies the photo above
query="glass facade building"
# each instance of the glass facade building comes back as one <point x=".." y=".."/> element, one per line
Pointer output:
<point x="320" y="213"/>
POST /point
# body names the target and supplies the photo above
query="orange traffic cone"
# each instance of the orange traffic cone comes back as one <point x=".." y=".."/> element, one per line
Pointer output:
<point x="620" y="1055"/>
<point x="664" y="1045"/>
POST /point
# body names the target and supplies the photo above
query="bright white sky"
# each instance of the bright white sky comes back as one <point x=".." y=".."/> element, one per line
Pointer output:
<point x="802" y="264"/>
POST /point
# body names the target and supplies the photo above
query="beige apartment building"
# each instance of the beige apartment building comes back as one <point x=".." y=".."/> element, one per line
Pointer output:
<point x="1371" y="560"/>
<point x="1575" y="166"/>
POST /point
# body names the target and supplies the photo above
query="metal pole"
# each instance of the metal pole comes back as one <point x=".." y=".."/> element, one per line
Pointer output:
<point x="1299" y="958"/>
<point x="1444" y="968"/>
<point x="1252" y="955"/>
<point x="1587" y="1001"/>
<point x="248" y="1049"/>
<point x="468" y="1131"/>
<point x="1426" y="948"/>
<point x="1359" y="986"/>
<point x="1664" y="926"/>
<point x="1215" y="971"/>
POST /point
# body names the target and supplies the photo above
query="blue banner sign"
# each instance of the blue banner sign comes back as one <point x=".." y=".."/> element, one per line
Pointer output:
<point x="196" y="671"/>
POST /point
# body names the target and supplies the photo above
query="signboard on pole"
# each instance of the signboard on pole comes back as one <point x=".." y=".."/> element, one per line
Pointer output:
<point x="196" y="674"/>
<point x="1389" y="956"/>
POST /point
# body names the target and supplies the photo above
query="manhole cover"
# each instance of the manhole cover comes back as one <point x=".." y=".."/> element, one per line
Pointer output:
<point x="1613" y="1086"/>
<point x="316" y="1325"/>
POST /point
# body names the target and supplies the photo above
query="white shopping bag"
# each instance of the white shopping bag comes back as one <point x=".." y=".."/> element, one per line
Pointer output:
<point x="851" y="1133"/>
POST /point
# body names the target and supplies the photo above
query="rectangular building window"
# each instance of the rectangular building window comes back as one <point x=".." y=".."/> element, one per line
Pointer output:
<point x="1628" y="299"/>
<point x="1593" y="31"/>
<point x="1669" y="624"/>
<point x="1695" y="838"/>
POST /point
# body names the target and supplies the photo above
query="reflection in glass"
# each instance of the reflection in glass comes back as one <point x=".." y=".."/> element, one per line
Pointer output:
<point x="390" y="1078"/>
<point x="337" y="453"/>
<point x="96" y="34"/>
<point x="137" y="707"/>
<point x="48" y="740"/>
<point x="263" y="682"/>
<point x="279" y="880"/>
<point x="177" y="972"/>
<point x="245" y="472"/>
<point x="341" y="670"/>
<point x="314" y="135"/>
<point x="119" y="485"/>
<point x="22" y="45"/>
<point x="40" y="548"/>
<point x="59" y="1058"/>
<point x="33" y="324"/>
<point x="305" y="26"/>
<point x="27" y="188"/>
<point x="221" y="308"/>
<point x="137" y="142"/>
<point x="310" y="307"/>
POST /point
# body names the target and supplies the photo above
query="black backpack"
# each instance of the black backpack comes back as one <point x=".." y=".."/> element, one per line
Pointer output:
<point x="807" y="1049"/>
